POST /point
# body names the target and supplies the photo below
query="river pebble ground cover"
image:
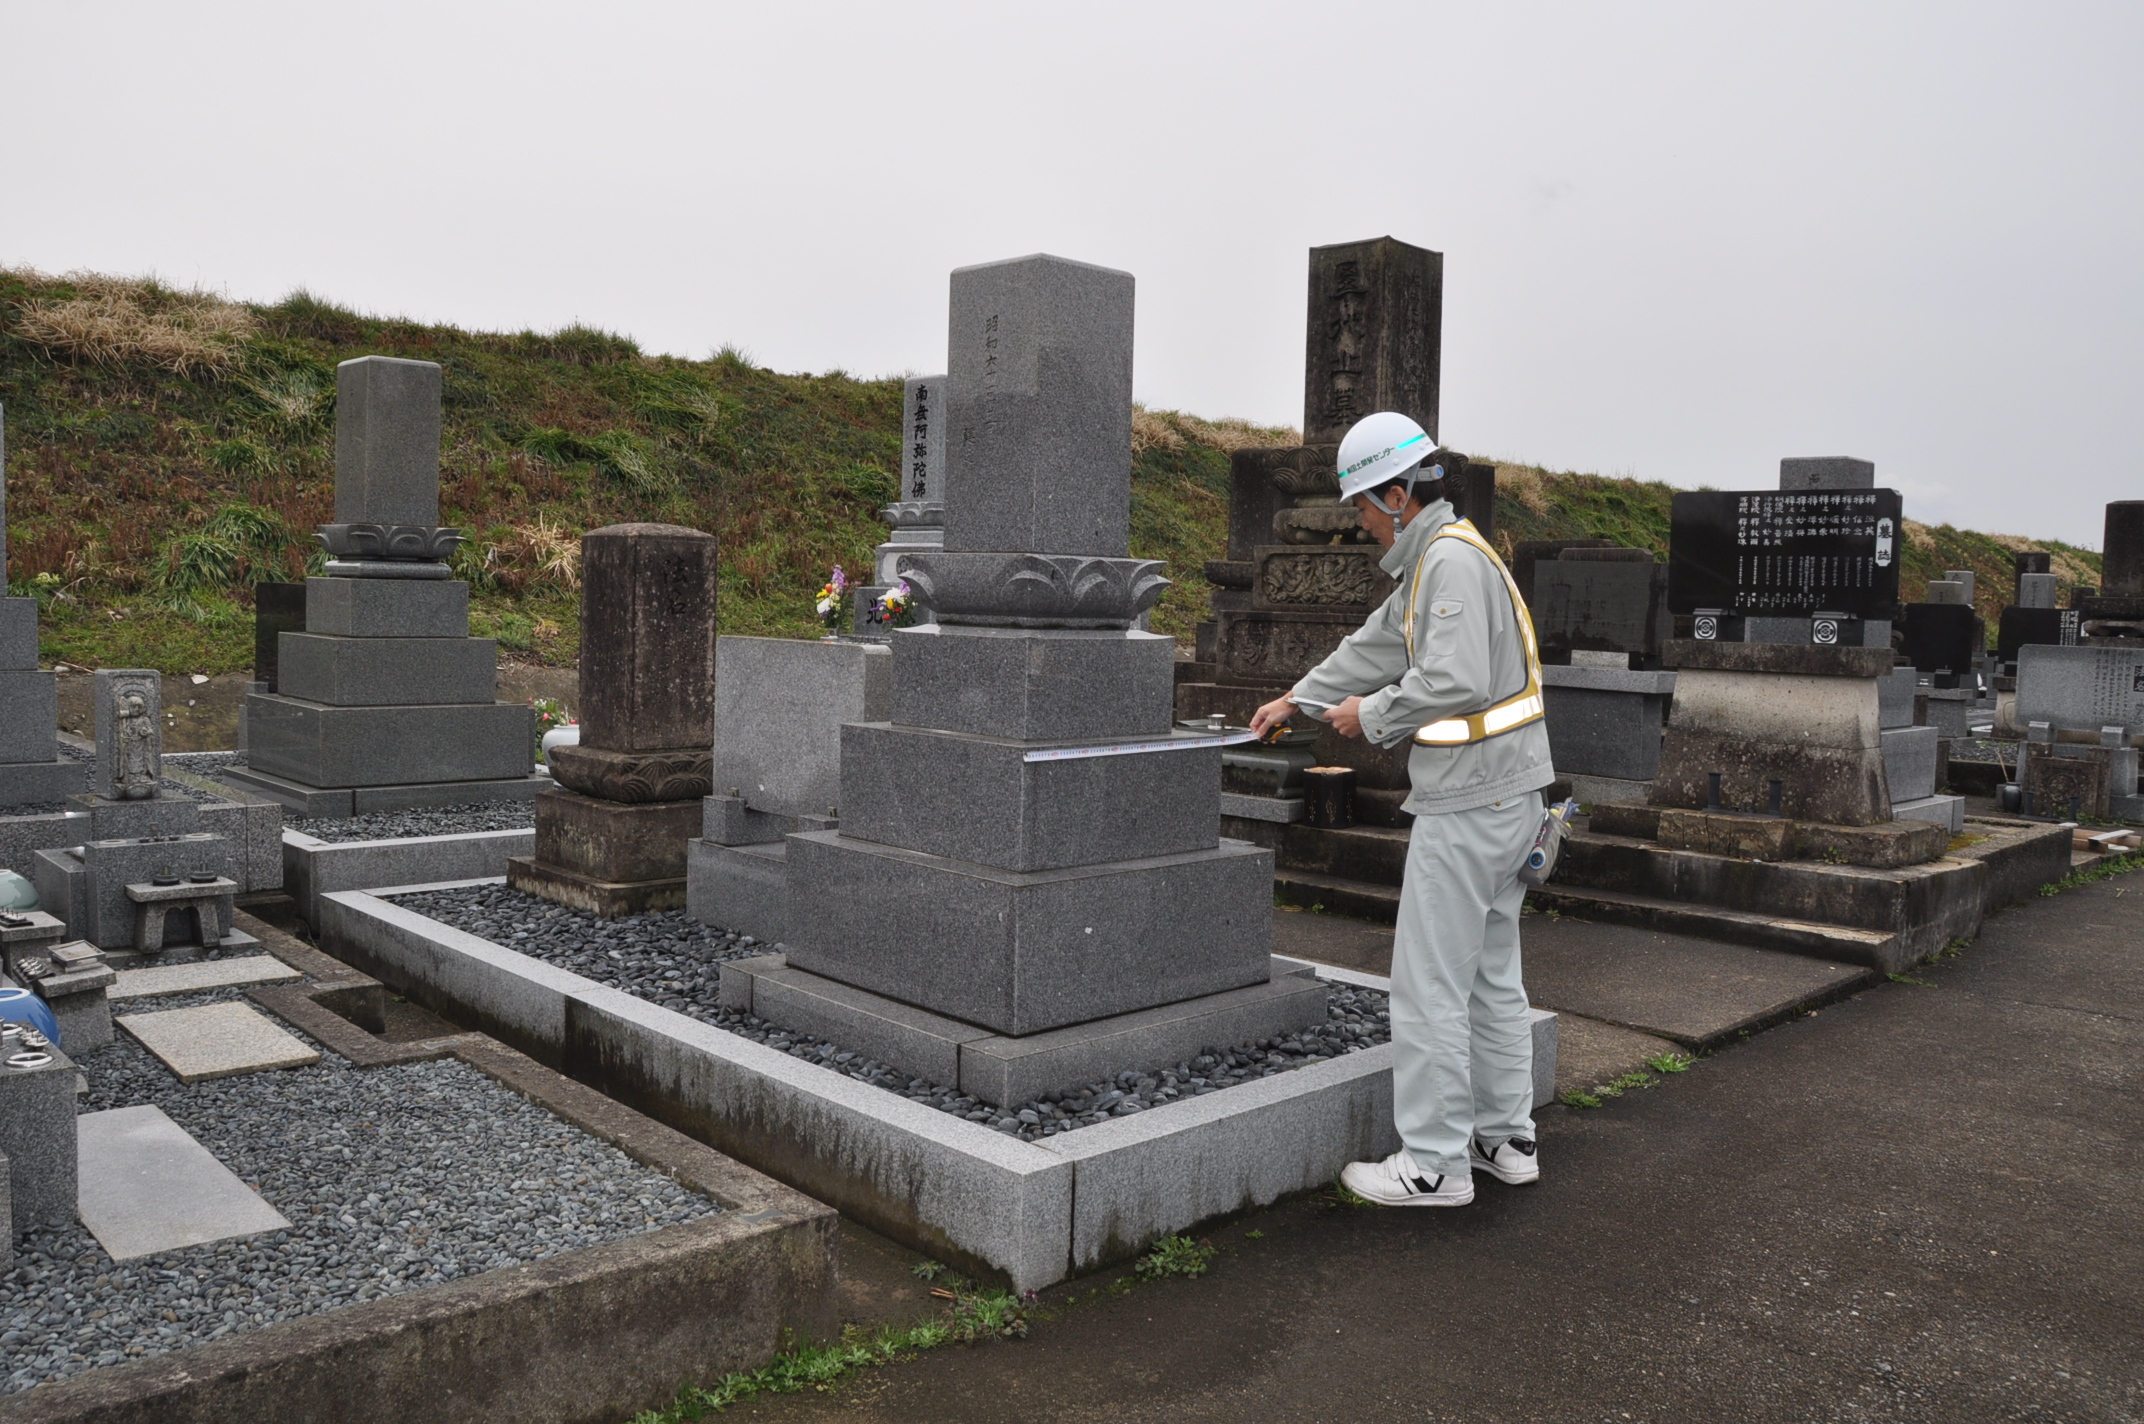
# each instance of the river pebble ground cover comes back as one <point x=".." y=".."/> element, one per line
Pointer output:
<point x="392" y="1178"/>
<point x="671" y="959"/>
<point x="424" y="821"/>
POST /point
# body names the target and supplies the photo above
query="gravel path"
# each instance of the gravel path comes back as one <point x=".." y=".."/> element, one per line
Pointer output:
<point x="672" y="960"/>
<point x="427" y="821"/>
<point x="394" y="1178"/>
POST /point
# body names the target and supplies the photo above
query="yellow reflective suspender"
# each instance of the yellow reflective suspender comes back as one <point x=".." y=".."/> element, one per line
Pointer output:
<point x="1513" y="712"/>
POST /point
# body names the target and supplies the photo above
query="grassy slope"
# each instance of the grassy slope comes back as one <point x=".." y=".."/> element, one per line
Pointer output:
<point x="167" y="450"/>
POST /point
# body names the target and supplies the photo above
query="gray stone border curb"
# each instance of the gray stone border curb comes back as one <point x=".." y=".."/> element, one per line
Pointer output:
<point x="313" y="867"/>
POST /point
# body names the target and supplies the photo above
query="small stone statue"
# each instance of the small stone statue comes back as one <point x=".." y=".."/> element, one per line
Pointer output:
<point x="139" y="743"/>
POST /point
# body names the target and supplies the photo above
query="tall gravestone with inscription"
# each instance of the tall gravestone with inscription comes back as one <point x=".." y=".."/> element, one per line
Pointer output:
<point x="1028" y="866"/>
<point x="2115" y="615"/>
<point x="1301" y="574"/>
<point x="384" y="701"/>
<point x="32" y="771"/>
<point x="917" y="519"/>
<point x="2082" y="711"/>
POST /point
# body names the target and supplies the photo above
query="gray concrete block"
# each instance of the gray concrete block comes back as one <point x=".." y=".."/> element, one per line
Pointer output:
<point x="313" y="867"/>
<point x="1909" y="762"/>
<point x="2038" y="591"/>
<point x="148" y="1187"/>
<point x="1034" y="685"/>
<point x="166" y="979"/>
<point x="743" y="888"/>
<point x="222" y="1040"/>
<point x="1827" y="472"/>
<point x="110" y="866"/>
<point x="779" y="707"/>
<point x="36" y="783"/>
<point x="1950" y="710"/>
<point x="2081" y="688"/>
<point x="21" y="837"/>
<point x="730" y="821"/>
<point x="915" y="1041"/>
<point x="1606" y="790"/>
<point x="1894" y="697"/>
<point x="331" y="747"/>
<point x="37" y="1139"/>
<point x="1155" y="1172"/>
<point x="18" y="633"/>
<point x="80" y="1008"/>
<point x="295" y="797"/>
<point x="62" y="885"/>
<point x="1944" y="810"/>
<point x="387" y="608"/>
<point x="254" y="827"/>
<point x="1280" y="810"/>
<point x="29" y="715"/>
<point x="1010" y="1071"/>
<point x="380" y="672"/>
<point x="387" y="441"/>
<point x="979" y="799"/>
<point x="1024" y="952"/>
<point x="1040" y="387"/>
<point x="1602" y="733"/>
<point x="133" y="820"/>
<point x="1547" y="1037"/>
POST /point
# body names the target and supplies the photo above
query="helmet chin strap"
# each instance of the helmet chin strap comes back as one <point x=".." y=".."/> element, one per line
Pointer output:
<point x="1399" y="516"/>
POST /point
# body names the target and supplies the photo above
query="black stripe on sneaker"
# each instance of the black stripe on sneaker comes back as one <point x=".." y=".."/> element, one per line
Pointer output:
<point x="1423" y="1186"/>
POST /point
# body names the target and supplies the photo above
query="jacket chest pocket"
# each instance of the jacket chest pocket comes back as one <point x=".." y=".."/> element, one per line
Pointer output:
<point x="1440" y="635"/>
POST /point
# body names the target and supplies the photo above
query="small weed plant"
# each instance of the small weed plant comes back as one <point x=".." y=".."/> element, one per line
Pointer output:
<point x="2113" y="865"/>
<point x="1670" y="1062"/>
<point x="1909" y="979"/>
<point x="1176" y="1256"/>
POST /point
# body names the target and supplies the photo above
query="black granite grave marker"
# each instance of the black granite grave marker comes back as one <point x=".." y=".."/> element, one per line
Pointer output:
<point x="1600" y="605"/>
<point x="278" y="608"/>
<point x="2028" y="627"/>
<point x="1943" y="637"/>
<point x="1786" y="555"/>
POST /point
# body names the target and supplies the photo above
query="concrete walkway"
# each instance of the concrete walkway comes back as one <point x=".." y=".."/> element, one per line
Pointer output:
<point x="1920" y="1203"/>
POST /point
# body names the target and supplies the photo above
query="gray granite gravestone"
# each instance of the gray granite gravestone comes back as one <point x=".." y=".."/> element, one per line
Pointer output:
<point x="37" y="1138"/>
<point x="384" y="701"/>
<point x="611" y="838"/>
<point x="993" y="868"/>
<point x="917" y="519"/>
<point x="32" y="771"/>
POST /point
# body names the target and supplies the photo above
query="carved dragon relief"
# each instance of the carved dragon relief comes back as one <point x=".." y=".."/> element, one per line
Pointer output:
<point x="1328" y="578"/>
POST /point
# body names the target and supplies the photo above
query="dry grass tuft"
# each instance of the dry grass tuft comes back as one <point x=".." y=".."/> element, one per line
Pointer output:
<point x="1172" y="430"/>
<point x="1526" y="484"/>
<point x="1919" y="535"/>
<point x="110" y="321"/>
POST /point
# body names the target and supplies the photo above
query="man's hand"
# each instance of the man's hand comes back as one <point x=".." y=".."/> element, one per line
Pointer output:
<point x="1279" y="710"/>
<point x="1347" y="717"/>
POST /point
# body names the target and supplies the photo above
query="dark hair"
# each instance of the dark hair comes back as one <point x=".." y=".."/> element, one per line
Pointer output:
<point x="1426" y="490"/>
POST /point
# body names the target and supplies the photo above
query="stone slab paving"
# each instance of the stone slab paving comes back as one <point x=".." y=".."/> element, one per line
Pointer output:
<point x="217" y="1041"/>
<point x="1698" y="992"/>
<point x="196" y="977"/>
<point x="147" y="1186"/>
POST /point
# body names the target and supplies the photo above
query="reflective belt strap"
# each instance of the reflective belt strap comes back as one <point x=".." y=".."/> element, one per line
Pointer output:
<point x="1513" y="712"/>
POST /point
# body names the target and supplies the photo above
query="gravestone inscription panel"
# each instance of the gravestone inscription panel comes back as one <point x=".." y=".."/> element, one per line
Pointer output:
<point x="1785" y="554"/>
<point x="1375" y="334"/>
<point x="2081" y="688"/>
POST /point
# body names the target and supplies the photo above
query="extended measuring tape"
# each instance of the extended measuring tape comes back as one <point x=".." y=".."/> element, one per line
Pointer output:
<point x="1174" y="744"/>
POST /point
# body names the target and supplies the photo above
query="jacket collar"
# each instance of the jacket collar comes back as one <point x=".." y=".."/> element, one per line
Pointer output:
<point x="1407" y="549"/>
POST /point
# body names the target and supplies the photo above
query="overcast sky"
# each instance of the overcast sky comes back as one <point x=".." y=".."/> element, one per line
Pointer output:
<point x="1680" y="241"/>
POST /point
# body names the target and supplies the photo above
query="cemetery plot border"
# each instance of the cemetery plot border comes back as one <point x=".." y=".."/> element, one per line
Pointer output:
<point x="963" y="1192"/>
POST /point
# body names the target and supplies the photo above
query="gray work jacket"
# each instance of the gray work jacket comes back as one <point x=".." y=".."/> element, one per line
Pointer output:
<point x="1469" y="653"/>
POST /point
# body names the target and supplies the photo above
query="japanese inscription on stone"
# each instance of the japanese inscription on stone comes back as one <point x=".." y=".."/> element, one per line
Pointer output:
<point x="1786" y="554"/>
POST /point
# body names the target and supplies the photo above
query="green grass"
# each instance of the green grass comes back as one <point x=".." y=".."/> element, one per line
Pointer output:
<point x="1176" y="1256"/>
<point x="153" y="480"/>
<point x="2113" y="865"/>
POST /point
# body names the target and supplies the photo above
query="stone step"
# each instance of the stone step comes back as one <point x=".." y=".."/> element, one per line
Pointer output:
<point x="1841" y="944"/>
<point x="1361" y="899"/>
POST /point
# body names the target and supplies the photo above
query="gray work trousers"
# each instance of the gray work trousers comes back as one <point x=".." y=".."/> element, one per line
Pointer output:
<point x="1462" y="1050"/>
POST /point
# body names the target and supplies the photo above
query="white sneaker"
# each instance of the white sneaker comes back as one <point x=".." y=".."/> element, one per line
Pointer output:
<point x="1515" y="1161"/>
<point x="1397" y="1181"/>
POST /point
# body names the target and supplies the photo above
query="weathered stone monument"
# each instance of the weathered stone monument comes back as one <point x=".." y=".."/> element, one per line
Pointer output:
<point x="2117" y="610"/>
<point x="32" y="771"/>
<point x="384" y="701"/>
<point x="917" y="519"/>
<point x="1027" y="885"/>
<point x="611" y="838"/>
<point x="148" y="877"/>
<point x="2082" y="711"/>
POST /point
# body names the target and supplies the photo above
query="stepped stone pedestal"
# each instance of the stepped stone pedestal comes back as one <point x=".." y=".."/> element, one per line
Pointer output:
<point x="384" y="702"/>
<point x="612" y="838"/>
<point x="1027" y="876"/>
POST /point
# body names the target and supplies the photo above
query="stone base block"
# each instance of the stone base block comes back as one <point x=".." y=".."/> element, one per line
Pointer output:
<point x="730" y="821"/>
<point x="21" y="837"/>
<point x="1022" y="952"/>
<point x="607" y="898"/>
<point x="1946" y="811"/>
<point x="378" y="672"/>
<point x="1909" y="762"/>
<point x="1887" y="846"/>
<point x="614" y="840"/>
<point x="37" y="1137"/>
<point x="1033" y="686"/>
<point x="1261" y="649"/>
<point x="2058" y="777"/>
<point x="1278" y="809"/>
<point x="1744" y="837"/>
<point x="1009" y="1071"/>
<point x="307" y="800"/>
<point x="743" y="888"/>
<point x="130" y="820"/>
<point x="90" y="881"/>
<point x="979" y="799"/>
<point x="1604" y="733"/>
<point x="779" y="707"/>
<point x="1890" y="846"/>
<point x="1598" y="790"/>
<point x="1839" y="786"/>
<point x="671" y="774"/>
<point x="387" y="608"/>
<point x="18" y="634"/>
<point x="321" y="746"/>
<point x="37" y="783"/>
<point x="83" y="1013"/>
<point x="29" y="711"/>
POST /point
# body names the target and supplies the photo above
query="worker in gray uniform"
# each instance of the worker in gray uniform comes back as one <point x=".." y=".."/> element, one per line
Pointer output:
<point x="1448" y="663"/>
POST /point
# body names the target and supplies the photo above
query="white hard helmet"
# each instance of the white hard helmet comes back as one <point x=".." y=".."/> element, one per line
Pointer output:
<point x="1379" y="449"/>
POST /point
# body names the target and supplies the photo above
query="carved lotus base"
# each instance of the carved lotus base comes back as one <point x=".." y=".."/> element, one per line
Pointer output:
<point x="679" y="774"/>
<point x="1034" y="590"/>
<point x="389" y="541"/>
